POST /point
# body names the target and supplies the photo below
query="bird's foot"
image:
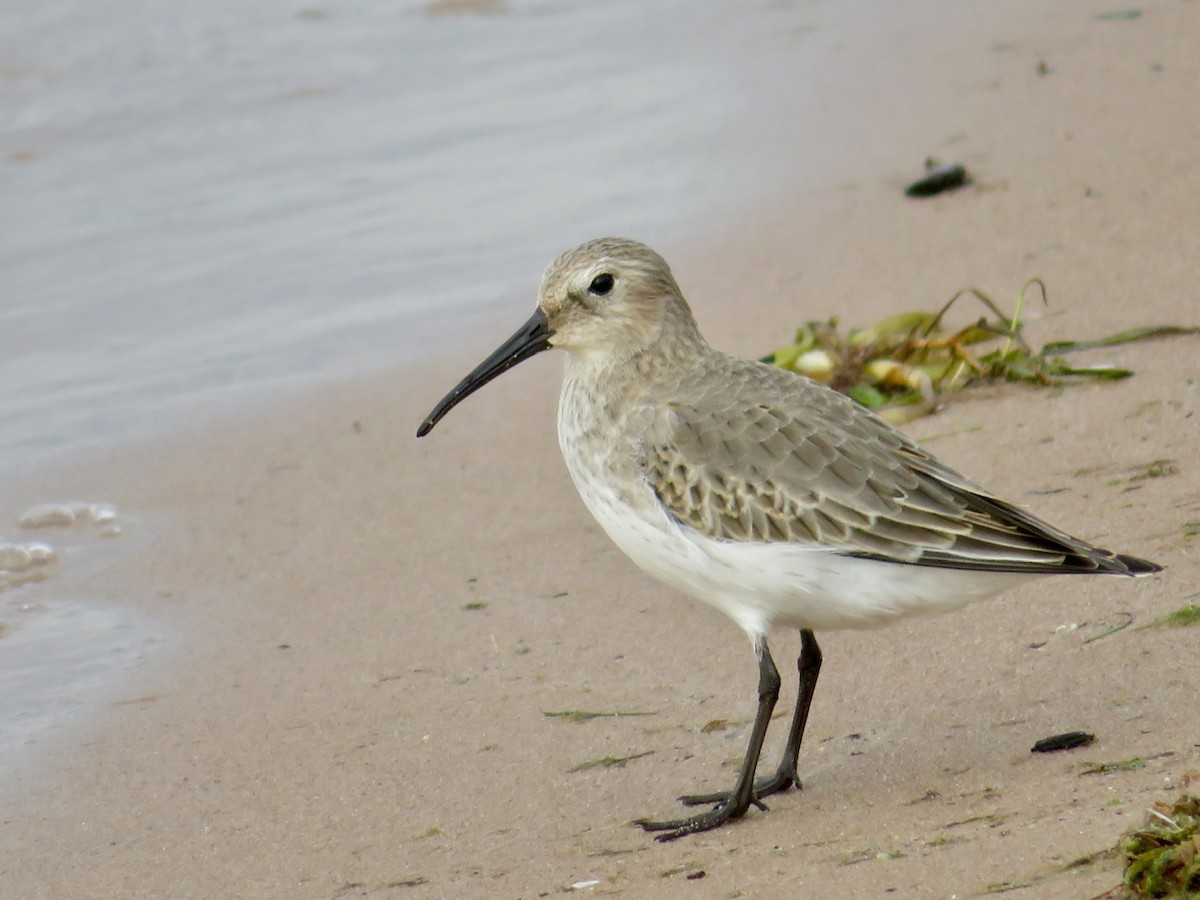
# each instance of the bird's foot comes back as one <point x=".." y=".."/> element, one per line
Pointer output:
<point x="706" y="821"/>
<point x="783" y="779"/>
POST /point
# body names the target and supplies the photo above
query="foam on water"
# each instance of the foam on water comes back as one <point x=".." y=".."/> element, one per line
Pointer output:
<point x="60" y="652"/>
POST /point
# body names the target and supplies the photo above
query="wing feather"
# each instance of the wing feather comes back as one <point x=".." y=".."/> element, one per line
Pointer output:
<point x="808" y="466"/>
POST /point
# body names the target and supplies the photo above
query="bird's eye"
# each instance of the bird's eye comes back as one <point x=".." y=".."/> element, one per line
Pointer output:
<point x="601" y="284"/>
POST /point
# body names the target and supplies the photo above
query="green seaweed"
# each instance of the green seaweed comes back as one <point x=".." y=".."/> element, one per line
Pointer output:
<point x="1157" y="468"/>
<point x="1128" y="336"/>
<point x="1113" y="629"/>
<point x="1125" y="765"/>
<point x="1180" y="618"/>
<point x="607" y="762"/>
<point x="1077" y="864"/>
<point x="580" y="715"/>
<point x="1162" y="858"/>
<point x="852" y="857"/>
<point x="904" y="363"/>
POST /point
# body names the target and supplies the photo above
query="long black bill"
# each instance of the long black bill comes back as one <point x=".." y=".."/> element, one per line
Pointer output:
<point x="531" y="338"/>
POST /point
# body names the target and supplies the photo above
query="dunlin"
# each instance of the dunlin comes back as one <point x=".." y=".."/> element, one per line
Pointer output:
<point x="764" y="494"/>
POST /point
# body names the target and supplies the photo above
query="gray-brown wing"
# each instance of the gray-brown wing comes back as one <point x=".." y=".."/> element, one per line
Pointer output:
<point x="762" y="455"/>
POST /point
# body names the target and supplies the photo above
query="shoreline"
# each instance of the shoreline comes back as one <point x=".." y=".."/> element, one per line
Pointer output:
<point x="342" y="715"/>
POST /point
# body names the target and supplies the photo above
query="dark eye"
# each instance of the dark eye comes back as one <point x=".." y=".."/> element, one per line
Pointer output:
<point x="601" y="284"/>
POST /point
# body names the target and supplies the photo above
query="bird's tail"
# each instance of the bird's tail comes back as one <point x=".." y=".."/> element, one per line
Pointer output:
<point x="1137" y="566"/>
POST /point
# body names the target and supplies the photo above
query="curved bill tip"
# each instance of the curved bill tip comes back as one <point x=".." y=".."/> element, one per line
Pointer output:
<point x="530" y="339"/>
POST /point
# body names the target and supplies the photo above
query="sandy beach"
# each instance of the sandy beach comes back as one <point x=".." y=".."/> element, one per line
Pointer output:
<point x="368" y="631"/>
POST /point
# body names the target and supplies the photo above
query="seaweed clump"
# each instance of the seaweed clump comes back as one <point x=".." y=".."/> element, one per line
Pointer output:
<point x="903" y="365"/>
<point x="1162" y="859"/>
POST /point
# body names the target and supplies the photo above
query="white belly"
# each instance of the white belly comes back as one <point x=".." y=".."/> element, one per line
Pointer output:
<point x="759" y="584"/>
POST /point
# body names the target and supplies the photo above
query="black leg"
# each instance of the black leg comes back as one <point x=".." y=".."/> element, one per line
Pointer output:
<point x="785" y="776"/>
<point x="734" y="805"/>
<point x="809" y="665"/>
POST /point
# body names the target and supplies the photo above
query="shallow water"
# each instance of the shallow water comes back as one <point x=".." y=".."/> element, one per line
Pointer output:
<point x="62" y="654"/>
<point x="209" y="200"/>
<point x="62" y="657"/>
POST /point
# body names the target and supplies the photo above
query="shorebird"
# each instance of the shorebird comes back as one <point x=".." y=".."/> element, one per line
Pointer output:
<point x="773" y="498"/>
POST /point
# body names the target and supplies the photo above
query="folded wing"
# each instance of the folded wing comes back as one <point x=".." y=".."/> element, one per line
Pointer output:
<point x="808" y="466"/>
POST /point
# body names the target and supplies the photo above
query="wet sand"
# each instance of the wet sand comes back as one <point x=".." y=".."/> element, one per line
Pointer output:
<point x="373" y="627"/>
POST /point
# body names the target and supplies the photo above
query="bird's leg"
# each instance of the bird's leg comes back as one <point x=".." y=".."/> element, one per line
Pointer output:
<point x="809" y="665"/>
<point x="785" y="776"/>
<point x="735" y="804"/>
